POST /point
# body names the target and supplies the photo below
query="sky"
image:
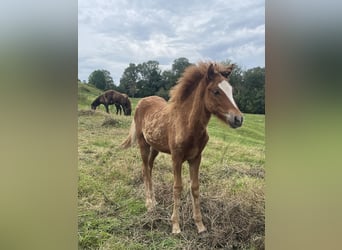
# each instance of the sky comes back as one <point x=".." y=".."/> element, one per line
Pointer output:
<point x="114" y="33"/>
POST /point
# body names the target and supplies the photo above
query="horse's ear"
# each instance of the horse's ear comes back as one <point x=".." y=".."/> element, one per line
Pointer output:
<point x="228" y="71"/>
<point x="210" y="72"/>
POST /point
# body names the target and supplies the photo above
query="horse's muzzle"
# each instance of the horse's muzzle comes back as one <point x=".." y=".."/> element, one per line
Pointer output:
<point x="238" y="121"/>
<point x="235" y="121"/>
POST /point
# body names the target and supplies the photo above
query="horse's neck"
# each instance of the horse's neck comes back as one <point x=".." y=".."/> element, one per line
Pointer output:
<point x="197" y="115"/>
<point x="97" y="101"/>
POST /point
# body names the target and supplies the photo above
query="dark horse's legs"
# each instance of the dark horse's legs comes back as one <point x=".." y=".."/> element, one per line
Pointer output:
<point x="118" y="108"/>
<point x="107" y="110"/>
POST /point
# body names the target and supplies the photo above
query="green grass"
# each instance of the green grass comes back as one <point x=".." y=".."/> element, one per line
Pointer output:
<point x="111" y="209"/>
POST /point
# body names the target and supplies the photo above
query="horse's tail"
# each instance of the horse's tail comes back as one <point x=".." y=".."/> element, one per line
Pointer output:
<point x="130" y="140"/>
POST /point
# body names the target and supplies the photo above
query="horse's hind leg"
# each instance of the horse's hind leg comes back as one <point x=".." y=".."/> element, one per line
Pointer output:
<point x="146" y="152"/>
<point x="151" y="158"/>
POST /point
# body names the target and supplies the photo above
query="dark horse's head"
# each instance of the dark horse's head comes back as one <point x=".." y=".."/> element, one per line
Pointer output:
<point x="95" y="103"/>
<point x="127" y="105"/>
<point x="127" y="111"/>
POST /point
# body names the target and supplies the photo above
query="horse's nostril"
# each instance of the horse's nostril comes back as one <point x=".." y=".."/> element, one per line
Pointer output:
<point x="238" y="120"/>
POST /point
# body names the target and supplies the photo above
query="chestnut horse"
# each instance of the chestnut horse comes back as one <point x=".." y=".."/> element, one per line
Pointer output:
<point x="179" y="128"/>
<point x="111" y="97"/>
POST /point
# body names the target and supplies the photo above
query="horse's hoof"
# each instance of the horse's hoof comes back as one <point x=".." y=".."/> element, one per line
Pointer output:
<point x="150" y="205"/>
<point x="175" y="229"/>
<point x="201" y="229"/>
<point x="154" y="203"/>
<point x="200" y="226"/>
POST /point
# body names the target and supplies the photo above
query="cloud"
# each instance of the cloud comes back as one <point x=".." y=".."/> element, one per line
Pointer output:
<point x="113" y="34"/>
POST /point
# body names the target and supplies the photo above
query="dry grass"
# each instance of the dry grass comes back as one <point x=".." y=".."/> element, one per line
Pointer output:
<point x="232" y="221"/>
<point x="110" y="122"/>
<point x="86" y="112"/>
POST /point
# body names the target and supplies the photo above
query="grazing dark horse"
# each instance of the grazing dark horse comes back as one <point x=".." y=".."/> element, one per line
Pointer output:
<point x="111" y="97"/>
<point x="179" y="128"/>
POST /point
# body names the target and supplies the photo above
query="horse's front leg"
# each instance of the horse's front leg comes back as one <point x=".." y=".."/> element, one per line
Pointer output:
<point x="194" y="169"/>
<point x="177" y="190"/>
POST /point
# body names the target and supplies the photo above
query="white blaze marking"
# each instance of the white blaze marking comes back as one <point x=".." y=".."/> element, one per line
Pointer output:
<point x="228" y="90"/>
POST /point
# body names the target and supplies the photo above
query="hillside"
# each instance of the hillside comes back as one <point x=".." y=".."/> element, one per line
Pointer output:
<point x="86" y="94"/>
<point x="112" y="214"/>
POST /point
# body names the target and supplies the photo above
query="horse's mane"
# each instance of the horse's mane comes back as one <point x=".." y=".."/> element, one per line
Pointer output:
<point x="188" y="82"/>
<point x="191" y="78"/>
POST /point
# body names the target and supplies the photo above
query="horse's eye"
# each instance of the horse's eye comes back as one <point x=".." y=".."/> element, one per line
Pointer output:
<point x="216" y="92"/>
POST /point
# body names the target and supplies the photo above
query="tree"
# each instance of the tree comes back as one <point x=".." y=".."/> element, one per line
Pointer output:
<point x="249" y="88"/>
<point x="149" y="76"/>
<point x="179" y="65"/>
<point x="129" y="79"/>
<point x="101" y="79"/>
<point x="255" y="92"/>
<point x="169" y="78"/>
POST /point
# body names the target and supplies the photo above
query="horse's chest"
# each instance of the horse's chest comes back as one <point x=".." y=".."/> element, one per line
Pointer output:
<point x="192" y="145"/>
<point x="195" y="149"/>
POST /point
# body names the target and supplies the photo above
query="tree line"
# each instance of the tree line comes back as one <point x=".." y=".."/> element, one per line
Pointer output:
<point x="146" y="79"/>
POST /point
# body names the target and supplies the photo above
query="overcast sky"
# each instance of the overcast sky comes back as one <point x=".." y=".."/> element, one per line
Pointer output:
<point x="114" y="33"/>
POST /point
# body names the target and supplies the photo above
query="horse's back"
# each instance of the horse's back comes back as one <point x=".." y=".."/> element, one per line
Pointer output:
<point x="150" y="104"/>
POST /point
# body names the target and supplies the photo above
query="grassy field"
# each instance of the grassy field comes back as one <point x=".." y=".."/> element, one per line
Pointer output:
<point x="111" y="209"/>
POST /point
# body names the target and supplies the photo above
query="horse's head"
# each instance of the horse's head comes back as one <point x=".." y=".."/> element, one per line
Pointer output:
<point x="94" y="104"/>
<point x="128" y="111"/>
<point x="127" y="105"/>
<point x="219" y="97"/>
